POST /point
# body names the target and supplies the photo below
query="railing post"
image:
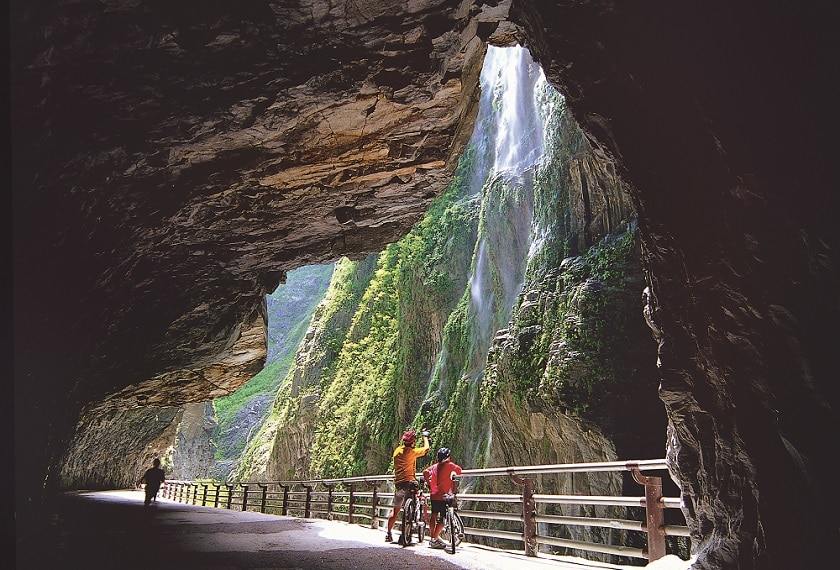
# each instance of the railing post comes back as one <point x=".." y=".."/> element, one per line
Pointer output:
<point x="262" y="499"/>
<point x="374" y="523"/>
<point x="203" y="494"/>
<point x="285" y="508"/>
<point x="308" y="504"/>
<point x="229" y="488"/>
<point x="244" y="496"/>
<point x="654" y="513"/>
<point x="529" y="513"/>
<point x="194" y="493"/>
<point x="329" y="501"/>
<point x="351" y="506"/>
<point x="216" y="499"/>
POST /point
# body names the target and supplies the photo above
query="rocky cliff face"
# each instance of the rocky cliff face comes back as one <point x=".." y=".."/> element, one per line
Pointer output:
<point x="172" y="161"/>
<point x="282" y="448"/>
<point x="551" y="436"/>
<point x="111" y="448"/>
<point x="240" y="416"/>
<point x="706" y="109"/>
<point x="102" y="442"/>
<point x="191" y="456"/>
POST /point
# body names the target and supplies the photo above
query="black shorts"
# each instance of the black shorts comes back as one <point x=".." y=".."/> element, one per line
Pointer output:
<point x="439" y="509"/>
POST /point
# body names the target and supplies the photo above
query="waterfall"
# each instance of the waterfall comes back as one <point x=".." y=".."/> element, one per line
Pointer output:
<point x="512" y="78"/>
<point x="506" y="155"/>
<point x="509" y="138"/>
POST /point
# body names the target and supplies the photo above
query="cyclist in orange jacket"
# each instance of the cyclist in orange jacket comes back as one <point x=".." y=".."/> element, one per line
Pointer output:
<point x="405" y="467"/>
<point x="439" y="478"/>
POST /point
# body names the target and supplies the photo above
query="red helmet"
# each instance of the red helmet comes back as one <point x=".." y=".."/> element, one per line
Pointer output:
<point x="410" y="436"/>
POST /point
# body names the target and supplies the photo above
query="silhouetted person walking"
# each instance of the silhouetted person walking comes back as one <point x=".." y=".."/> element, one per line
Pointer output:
<point x="153" y="478"/>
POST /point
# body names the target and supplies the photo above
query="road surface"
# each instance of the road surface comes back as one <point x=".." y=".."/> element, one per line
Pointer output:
<point x="112" y="529"/>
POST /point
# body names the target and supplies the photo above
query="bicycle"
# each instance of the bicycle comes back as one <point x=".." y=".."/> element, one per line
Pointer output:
<point x="453" y="527"/>
<point x="414" y="514"/>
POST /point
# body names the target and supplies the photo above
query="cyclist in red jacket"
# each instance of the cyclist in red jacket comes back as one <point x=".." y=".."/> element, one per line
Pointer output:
<point x="405" y="466"/>
<point x="439" y="478"/>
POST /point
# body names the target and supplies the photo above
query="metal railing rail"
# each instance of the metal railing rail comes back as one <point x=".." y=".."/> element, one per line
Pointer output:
<point x="367" y="500"/>
<point x="653" y="502"/>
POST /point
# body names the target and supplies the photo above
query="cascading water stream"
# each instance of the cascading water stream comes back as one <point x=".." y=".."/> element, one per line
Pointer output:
<point x="512" y="79"/>
<point x="509" y="129"/>
<point x="507" y="150"/>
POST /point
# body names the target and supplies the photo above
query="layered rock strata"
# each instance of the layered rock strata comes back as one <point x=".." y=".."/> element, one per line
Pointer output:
<point x="192" y="455"/>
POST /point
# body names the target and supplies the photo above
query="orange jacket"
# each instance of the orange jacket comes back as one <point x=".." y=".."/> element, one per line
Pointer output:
<point x="405" y="461"/>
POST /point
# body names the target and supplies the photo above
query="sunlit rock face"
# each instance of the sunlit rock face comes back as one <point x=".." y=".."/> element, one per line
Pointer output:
<point x="192" y="455"/>
<point x="177" y="161"/>
<point x="96" y="459"/>
<point x="112" y="448"/>
<point x="721" y="117"/>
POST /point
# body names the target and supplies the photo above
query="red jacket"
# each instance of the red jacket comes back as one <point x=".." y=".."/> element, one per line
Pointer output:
<point x="439" y="478"/>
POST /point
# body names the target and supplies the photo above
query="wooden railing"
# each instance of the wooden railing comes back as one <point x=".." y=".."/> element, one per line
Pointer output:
<point x="531" y="519"/>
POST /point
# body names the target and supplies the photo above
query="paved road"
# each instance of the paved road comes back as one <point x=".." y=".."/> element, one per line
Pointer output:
<point x="112" y="529"/>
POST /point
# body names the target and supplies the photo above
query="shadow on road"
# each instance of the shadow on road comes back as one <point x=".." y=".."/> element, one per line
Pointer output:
<point x="115" y="530"/>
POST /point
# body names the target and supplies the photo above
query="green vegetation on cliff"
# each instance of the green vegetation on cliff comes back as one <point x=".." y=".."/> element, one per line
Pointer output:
<point x="375" y="340"/>
<point x="574" y="327"/>
<point x="289" y="310"/>
<point x="540" y="270"/>
<point x="280" y="450"/>
<point x="383" y="369"/>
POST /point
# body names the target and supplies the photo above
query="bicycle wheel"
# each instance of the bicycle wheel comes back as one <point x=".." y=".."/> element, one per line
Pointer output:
<point x="459" y="527"/>
<point x="452" y="520"/>
<point x="421" y="522"/>
<point x="451" y="530"/>
<point x="408" y="513"/>
<point x="446" y="533"/>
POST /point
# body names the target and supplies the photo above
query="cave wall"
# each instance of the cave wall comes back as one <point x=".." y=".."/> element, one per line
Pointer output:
<point x="172" y="161"/>
<point x="722" y="118"/>
<point x="95" y="458"/>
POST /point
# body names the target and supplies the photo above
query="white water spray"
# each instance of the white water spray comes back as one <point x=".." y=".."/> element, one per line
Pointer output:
<point x="515" y="82"/>
<point x="509" y="142"/>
